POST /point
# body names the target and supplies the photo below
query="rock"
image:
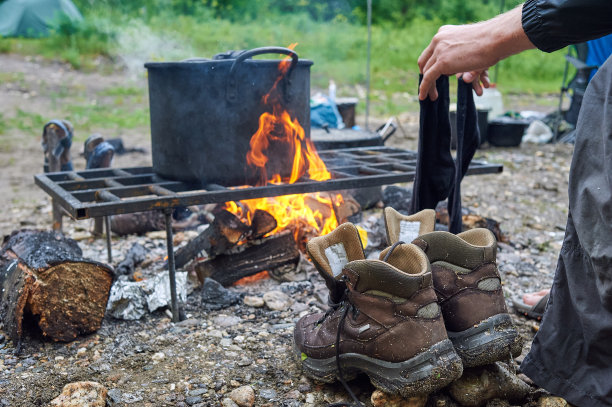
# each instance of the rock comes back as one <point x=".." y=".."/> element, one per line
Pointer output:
<point x="191" y="400"/>
<point x="225" y="321"/>
<point x="158" y="357"/>
<point x="216" y="297"/>
<point x="189" y="322"/>
<point x="292" y="394"/>
<point x="277" y="300"/>
<point x="267" y="394"/>
<point x="198" y="392"/>
<point x="244" y="396"/>
<point x="483" y="383"/>
<point x="252" y="301"/>
<point x="381" y="399"/>
<point x="114" y="396"/>
<point x="2" y="338"/>
<point x="397" y="197"/>
<point x="81" y="394"/>
<point x="227" y="402"/>
<point x="552" y="401"/>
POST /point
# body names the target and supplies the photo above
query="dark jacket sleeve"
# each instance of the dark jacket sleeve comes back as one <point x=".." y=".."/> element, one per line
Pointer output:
<point x="554" y="24"/>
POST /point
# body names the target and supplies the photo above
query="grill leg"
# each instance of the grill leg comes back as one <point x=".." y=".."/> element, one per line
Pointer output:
<point x="57" y="216"/>
<point x="109" y="249"/>
<point x="171" y="269"/>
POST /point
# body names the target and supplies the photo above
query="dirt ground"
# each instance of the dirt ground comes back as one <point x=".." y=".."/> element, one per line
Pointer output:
<point x="153" y="362"/>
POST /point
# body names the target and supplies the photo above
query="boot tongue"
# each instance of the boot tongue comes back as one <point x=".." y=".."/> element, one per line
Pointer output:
<point x="406" y="228"/>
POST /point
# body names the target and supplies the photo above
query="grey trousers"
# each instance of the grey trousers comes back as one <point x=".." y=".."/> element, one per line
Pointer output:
<point x="571" y="355"/>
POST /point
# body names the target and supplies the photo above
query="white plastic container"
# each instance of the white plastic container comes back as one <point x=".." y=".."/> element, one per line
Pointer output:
<point x="490" y="100"/>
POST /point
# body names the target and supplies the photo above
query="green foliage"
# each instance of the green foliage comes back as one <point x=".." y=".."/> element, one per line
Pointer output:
<point x="29" y="122"/>
<point x="330" y="33"/>
<point x="3" y="125"/>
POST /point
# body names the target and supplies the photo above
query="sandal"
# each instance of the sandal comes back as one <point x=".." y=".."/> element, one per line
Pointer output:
<point x="531" y="311"/>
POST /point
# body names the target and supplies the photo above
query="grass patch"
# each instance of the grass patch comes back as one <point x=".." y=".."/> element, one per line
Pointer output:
<point x="122" y="91"/>
<point x="29" y="122"/>
<point x="88" y="118"/>
<point x="3" y="127"/>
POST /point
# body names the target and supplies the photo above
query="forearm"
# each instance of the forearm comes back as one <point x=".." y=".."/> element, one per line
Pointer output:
<point x="507" y="35"/>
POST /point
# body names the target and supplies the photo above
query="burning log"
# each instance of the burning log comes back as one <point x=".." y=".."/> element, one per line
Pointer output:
<point x="224" y="232"/>
<point x="248" y="259"/>
<point x="263" y="223"/>
<point x="44" y="279"/>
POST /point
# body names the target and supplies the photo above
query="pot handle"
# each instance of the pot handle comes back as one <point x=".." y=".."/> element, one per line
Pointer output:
<point x="231" y="82"/>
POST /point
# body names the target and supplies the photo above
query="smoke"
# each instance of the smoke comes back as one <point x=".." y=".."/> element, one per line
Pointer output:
<point x="137" y="44"/>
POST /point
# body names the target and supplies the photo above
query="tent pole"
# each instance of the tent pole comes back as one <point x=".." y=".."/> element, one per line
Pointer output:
<point x="367" y="118"/>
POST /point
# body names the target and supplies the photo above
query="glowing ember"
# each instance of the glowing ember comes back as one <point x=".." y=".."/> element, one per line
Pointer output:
<point x="279" y="133"/>
<point x="252" y="279"/>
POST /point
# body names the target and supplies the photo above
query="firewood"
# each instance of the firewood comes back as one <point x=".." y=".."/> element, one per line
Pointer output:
<point x="44" y="277"/>
<point x="248" y="259"/>
<point x="224" y="232"/>
<point x="263" y="222"/>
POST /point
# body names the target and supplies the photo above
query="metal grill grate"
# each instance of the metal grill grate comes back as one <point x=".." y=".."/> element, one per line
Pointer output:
<point x="103" y="192"/>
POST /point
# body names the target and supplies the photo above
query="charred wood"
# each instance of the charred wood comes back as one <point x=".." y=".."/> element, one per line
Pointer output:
<point x="138" y="223"/>
<point x="224" y="232"/>
<point x="133" y="258"/>
<point x="248" y="259"/>
<point x="43" y="276"/>
<point x="263" y="222"/>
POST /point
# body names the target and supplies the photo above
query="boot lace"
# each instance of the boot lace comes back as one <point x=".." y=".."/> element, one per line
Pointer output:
<point x="343" y="303"/>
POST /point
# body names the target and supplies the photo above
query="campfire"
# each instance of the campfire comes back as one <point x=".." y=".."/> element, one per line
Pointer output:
<point x="280" y="135"/>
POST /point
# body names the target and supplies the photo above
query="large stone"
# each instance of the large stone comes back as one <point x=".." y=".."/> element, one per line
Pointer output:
<point x="81" y="394"/>
<point x="381" y="399"/>
<point x="216" y="297"/>
<point x="244" y="396"/>
<point x="481" y="384"/>
<point x="277" y="300"/>
<point x="552" y="401"/>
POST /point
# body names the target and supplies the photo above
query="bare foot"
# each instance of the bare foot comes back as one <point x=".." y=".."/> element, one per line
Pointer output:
<point x="533" y="298"/>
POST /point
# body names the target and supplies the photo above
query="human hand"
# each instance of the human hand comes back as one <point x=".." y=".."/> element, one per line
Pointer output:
<point x="461" y="50"/>
<point x="478" y="79"/>
<point x="470" y="50"/>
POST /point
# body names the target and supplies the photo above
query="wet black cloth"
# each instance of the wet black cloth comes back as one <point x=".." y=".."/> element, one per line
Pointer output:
<point x="435" y="166"/>
<point x="438" y="176"/>
<point x="468" y="140"/>
<point x="554" y="24"/>
<point x="571" y="355"/>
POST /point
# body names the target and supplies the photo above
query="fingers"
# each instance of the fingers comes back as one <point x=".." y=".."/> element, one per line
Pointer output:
<point x="425" y="57"/>
<point x="484" y="78"/>
<point x="428" y="85"/>
<point x="479" y="80"/>
<point x="477" y="88"/>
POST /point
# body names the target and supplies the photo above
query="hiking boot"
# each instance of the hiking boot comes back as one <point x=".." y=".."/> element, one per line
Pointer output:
<point x="387" y="325"/>
<point x="468" y="286"/>
<point x="331" y="252"/>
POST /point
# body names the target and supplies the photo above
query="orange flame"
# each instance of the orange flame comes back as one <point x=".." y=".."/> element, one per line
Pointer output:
<point x="280" y="136"/>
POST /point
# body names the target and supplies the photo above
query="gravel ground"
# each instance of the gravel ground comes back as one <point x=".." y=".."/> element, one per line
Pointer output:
<point x="203" y="359"/>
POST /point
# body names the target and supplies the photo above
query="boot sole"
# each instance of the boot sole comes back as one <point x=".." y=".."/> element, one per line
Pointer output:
<point x="422" y="374"/>
<point x="492" y="340"/>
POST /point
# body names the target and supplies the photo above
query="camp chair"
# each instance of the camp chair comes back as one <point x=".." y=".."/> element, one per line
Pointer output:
<point x="585" y="57"/>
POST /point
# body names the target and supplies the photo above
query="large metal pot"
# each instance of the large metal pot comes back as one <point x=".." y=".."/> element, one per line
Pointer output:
<point x="204" y="112"/>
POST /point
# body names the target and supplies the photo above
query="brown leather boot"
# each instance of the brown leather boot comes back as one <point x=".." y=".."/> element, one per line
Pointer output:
<point x="388" y="325"/>
<point x="468" y="287"/>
